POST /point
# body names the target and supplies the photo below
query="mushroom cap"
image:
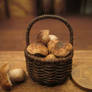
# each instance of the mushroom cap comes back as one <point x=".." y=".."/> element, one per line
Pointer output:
<point x="50" y="57"/>
<point x="51" y="45"/>
<point x="59" y="49"/>
<point x="5" y="81"/>
<point x="68" y="46"/>
<point x="37" y="48"/>
<point x="60" y="52"/>
<point x="17" y="75"/>
<point x="53" y="37"/>
<point x="7" y="84"/>
<point x="59" y="45"/>
<point x="43" y="36"/>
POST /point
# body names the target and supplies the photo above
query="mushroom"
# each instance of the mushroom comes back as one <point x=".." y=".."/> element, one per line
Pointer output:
<point x="43" y="36"/>
<point x="37" y="49"/>
<point x="53" y="37"/>
<point x="59" y="49"/>
<point x="50" y="57"/>
<point x="17" y="75"/>
<point x="68" y="47"/>
<point x="60" y="52"/>
<point x="5" y="81"/>
<point x="51" y="45"/>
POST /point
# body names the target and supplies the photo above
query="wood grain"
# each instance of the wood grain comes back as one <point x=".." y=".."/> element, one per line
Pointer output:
<point x="16" y="59"/>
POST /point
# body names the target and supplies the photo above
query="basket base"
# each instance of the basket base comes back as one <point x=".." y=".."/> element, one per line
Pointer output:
<point x="50" y="84"/>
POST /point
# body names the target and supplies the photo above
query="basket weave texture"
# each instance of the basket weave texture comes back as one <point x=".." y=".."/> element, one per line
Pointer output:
<point x="47" y="72"/>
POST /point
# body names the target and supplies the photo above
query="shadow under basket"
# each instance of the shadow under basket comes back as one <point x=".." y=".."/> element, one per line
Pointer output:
<point x="48" y="73"/>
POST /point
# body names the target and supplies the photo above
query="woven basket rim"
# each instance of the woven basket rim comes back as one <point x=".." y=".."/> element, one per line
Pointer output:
<point x="42" y="60"/>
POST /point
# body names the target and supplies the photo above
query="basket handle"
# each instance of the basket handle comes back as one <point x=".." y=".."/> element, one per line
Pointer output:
<point x="48" y="17"/>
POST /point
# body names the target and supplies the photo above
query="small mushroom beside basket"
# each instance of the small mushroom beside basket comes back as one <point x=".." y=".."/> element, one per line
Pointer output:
<point x="46" y="72"/>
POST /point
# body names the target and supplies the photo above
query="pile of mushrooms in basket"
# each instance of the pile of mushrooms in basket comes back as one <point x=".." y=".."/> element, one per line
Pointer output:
<point x="49" y="47"/>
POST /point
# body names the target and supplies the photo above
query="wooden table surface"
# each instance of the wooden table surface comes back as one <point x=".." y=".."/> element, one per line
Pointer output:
<point x="16" y="59"/>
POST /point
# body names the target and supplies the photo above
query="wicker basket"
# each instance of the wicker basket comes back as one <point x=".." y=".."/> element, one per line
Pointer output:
<point x="47" y="72"/>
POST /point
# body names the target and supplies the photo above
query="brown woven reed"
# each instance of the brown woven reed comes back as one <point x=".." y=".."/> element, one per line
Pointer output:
<point x="48" y="73"/>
